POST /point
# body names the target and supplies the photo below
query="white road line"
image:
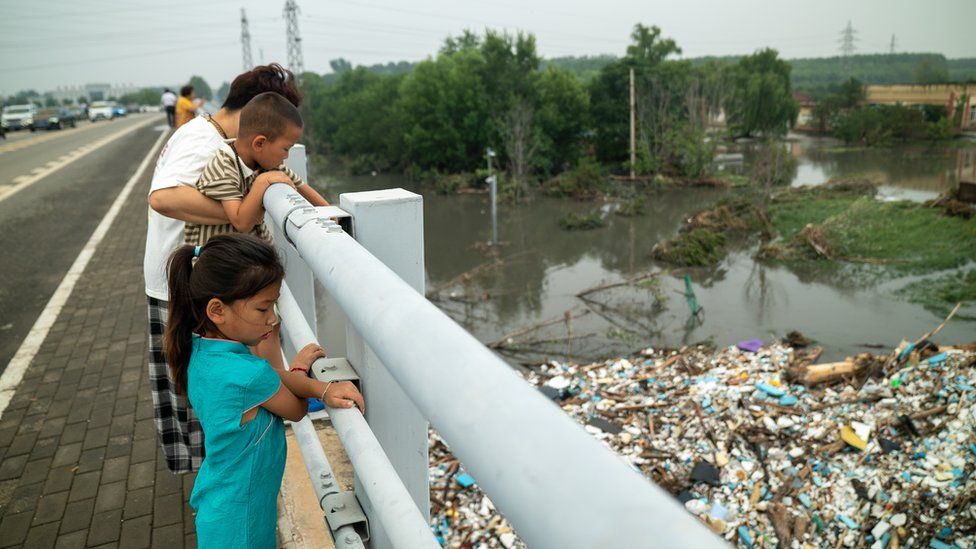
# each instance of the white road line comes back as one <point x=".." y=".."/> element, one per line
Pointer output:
<point x="40" y="173"/>
<point x="17" y="366"/>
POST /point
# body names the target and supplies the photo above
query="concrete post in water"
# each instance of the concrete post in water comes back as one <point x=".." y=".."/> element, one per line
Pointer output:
<point x="493" y="189"/>
<point x="389" y="224"/>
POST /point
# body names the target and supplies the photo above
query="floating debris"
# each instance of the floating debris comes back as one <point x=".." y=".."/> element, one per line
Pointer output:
<point x="768" y="449"/>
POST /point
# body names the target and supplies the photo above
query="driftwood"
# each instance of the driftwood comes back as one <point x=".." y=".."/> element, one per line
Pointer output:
<point x="796" y="370"/>
<point x="504" y="340"/>
<point x="830" y="372"/>
<point x="780" y="518"/>
<point x="627" y="282"/>
<point x="887" y="364"/>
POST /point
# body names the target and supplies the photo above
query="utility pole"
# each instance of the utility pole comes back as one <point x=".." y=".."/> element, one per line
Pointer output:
<point x="633" y="127"/>
<point x="847" y="48"/>
<point x="493" y="192"/>
<point x="246" y="42"/>
<point x="892" y="50"/>
<point x="294" y="39"/>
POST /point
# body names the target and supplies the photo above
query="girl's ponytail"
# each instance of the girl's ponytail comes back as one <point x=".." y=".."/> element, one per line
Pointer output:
<point x="183" y="318"/>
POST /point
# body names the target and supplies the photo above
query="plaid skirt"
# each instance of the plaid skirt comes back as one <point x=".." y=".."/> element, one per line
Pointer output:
<point x="179" y="429"/>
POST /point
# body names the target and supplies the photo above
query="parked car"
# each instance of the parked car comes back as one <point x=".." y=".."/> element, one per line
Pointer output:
<point x="16" y="117"/>
<point x="54" y="119"/>
<point x="101" y="110"/>
<point x="119" y="111"/>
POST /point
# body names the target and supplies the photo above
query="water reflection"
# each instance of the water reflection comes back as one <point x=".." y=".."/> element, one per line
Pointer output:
<point x="540" y="269"/>
<point x="910" y="172"/>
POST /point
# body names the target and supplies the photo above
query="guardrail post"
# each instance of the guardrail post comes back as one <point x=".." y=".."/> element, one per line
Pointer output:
<point x="389" y="224"/>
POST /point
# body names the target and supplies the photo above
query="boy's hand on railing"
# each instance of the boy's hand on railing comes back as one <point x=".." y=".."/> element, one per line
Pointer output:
<point x="344" y="394"/>
<point x="274" y="176"/>
<point x="309" y="354"/>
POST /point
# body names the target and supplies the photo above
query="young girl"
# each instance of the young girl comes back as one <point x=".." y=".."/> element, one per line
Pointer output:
<point x="222" y="299"/>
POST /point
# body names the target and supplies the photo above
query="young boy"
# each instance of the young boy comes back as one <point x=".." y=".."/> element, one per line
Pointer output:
<point x="239" y="174"/>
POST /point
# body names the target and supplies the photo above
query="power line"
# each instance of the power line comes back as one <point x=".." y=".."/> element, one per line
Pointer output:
<point x="294" y="39"/>
<point x="246" y="43"/>
<point x="113" y="58"/>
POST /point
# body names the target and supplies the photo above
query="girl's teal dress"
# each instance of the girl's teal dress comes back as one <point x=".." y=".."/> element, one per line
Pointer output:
<point x="236" y="490"/>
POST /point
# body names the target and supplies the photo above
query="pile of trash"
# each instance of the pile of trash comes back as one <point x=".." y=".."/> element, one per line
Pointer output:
<point x="767" y="448"/>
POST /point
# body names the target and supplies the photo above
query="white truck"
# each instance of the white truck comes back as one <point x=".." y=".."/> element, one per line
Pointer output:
<point x="101" y="110"/>
<point x="16" y="117"/>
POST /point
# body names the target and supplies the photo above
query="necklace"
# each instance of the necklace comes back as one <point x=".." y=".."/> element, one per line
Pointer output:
<point x="217" y="127"/>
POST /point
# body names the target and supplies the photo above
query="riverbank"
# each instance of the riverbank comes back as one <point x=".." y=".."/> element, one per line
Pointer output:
<point x="767" y="447"/>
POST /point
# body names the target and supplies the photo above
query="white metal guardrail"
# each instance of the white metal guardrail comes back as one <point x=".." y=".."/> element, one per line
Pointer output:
<point x="557" y="485"/>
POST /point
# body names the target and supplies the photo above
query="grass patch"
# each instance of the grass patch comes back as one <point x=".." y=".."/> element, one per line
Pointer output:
<point x="632" y="207"/>
<point x="581" y="222"/>
<point x="695" y="248"/>
<point x="939" y="295"/>
<point x="905" y="236"/>
<point x="838" y="224"/>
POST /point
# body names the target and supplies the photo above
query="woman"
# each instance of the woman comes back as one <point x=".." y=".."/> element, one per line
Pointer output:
<point x="173" y="200"/>
<point x="187" y="106"/>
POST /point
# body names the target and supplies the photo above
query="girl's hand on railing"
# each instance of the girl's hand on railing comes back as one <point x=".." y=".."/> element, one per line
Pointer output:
<point x="344" y="394"/>
<point x="309" y="354"/>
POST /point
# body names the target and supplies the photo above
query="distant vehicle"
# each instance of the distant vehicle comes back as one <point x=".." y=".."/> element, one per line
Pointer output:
<point x="101" y="110"/>
<point x="54" y="119"/>
<point x="16" y="117"/>
<point x="119" y="111"/>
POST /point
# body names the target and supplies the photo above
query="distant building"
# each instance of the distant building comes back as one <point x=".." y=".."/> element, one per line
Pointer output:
<point x="93" y="92"/>
<point x="946" y="95"/>
<point x="804" y="120"/>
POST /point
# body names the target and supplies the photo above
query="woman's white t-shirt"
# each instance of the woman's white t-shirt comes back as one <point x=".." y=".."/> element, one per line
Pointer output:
<point x="180" y="163"/>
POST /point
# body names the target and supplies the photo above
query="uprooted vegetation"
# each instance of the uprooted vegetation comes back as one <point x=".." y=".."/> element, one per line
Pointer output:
<point x="840" y="224"/>
<point x="705" y="236"/>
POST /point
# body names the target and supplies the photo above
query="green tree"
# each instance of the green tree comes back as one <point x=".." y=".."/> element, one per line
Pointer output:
<point x="562" y="118"/>
<point x="340" y="65"/>
<point x="510" y="77"/>
<point x="928" y="72"/>
<point x="609" y="91"/>
<point x="201" y="87"/>
<point x="760" y="99"/>
<point x="445" y="112"/>
<point x="366" y="122"/>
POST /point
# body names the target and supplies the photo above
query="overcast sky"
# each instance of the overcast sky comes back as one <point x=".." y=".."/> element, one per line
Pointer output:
<point x="48" y="43"/>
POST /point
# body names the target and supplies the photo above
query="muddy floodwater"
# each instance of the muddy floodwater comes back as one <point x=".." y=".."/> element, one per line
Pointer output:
<point x="542" y="270"/>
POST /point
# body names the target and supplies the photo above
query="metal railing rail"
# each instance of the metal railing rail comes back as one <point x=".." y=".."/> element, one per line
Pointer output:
<point x="394" y="507"/>
<point x="557" y="485"/>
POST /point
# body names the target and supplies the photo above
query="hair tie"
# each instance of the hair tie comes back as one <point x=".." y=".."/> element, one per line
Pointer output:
<point x="196" y="251"/>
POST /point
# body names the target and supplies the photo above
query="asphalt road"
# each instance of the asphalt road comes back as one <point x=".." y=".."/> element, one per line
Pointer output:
<point x="46" y="218"/>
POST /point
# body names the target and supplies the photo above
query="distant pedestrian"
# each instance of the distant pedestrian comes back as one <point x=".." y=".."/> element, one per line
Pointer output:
<point x="169" y="105"/>
<point x="222" y="301"/>
<point x="187" y="106"/>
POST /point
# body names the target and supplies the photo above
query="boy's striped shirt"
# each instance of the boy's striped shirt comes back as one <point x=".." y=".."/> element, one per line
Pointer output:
<point x="227" y="178"/>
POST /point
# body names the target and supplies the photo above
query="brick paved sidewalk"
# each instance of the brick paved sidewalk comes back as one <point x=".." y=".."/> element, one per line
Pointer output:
<point x="79" y="460"/>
